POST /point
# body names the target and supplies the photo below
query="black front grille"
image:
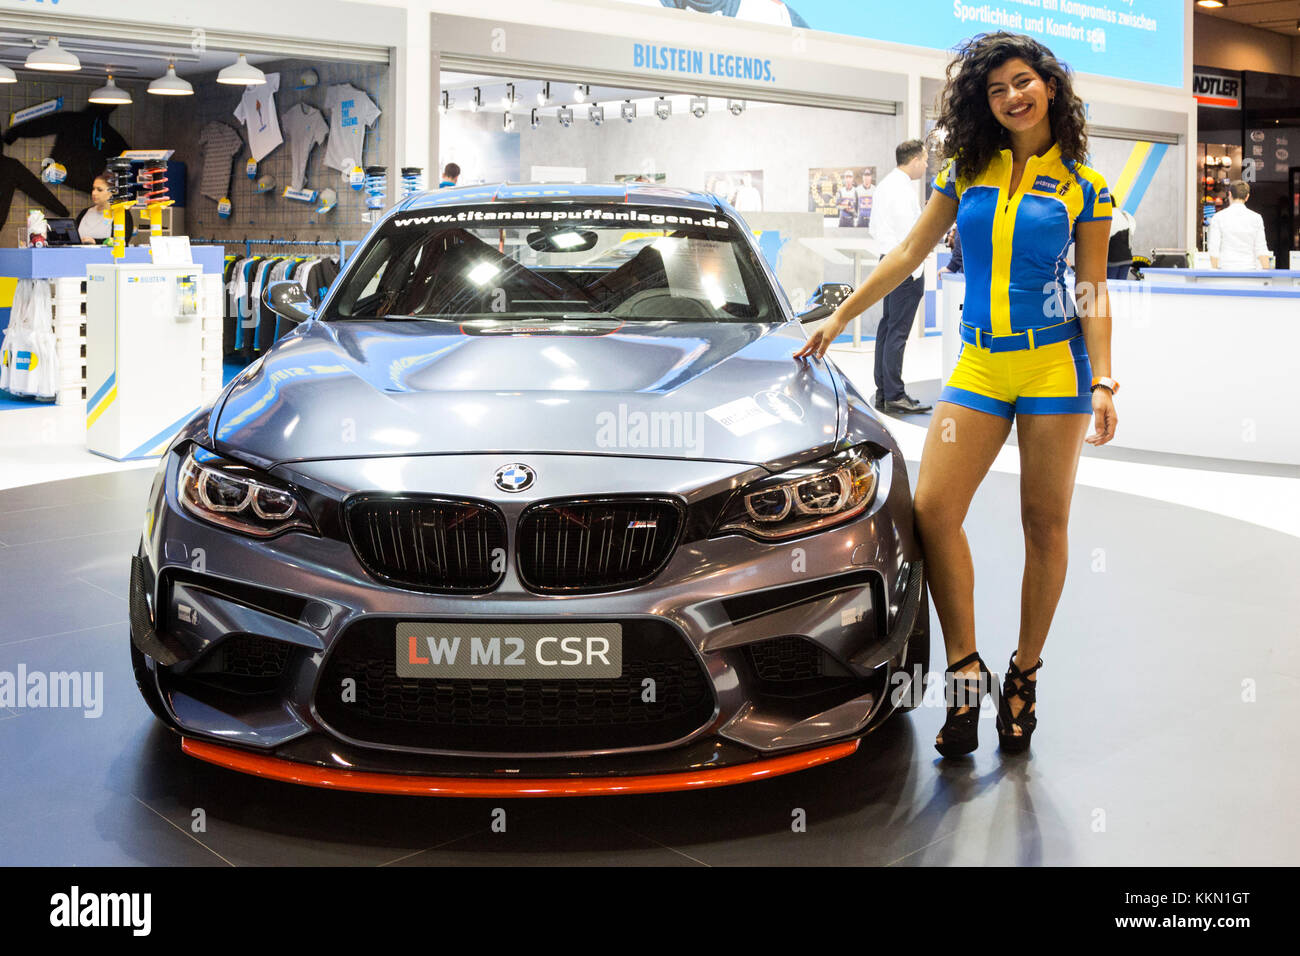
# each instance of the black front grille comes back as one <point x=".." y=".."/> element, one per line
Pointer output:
<point x="516" y="716"/>
<point x="429" y="544"/>
<point x="596" y="544"/>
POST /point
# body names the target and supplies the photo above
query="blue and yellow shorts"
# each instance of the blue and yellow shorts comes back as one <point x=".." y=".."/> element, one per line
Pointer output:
<point x="1052" y="379"/>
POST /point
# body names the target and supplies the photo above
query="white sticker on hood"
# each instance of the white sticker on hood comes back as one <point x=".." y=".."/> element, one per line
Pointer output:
<point x="742" y="416"/>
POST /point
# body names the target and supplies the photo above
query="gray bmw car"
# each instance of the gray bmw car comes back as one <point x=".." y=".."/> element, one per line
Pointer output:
<point x="515" y="513"/>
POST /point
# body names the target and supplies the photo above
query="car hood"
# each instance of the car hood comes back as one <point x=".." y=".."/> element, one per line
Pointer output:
<point x="722" y="391"/>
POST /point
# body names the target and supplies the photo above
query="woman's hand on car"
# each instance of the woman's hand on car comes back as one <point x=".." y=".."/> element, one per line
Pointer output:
<point x="822" y="337"/>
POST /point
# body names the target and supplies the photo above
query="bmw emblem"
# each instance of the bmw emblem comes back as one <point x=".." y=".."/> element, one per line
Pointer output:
<point x="515" y="477"/>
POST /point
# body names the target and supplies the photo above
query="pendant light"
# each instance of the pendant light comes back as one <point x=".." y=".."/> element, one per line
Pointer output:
<point x="52" y="58"/>
<point x="241" y="73"/>
<point x="110" y="92"/>
<point x="7" y="75"/>
<point x="170" y="84"/>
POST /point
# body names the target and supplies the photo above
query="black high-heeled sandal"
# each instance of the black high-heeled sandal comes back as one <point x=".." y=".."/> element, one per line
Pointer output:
<point x="1017" y="684"/>
<point x="961" y="731"/>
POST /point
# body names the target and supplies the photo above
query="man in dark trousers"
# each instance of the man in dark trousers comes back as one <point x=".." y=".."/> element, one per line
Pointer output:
<point x="894" y="210"/>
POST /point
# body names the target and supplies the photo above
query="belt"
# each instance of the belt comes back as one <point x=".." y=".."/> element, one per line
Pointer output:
<point x="1017" y="341"/>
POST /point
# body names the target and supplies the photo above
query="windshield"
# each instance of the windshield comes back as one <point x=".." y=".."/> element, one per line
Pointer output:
<point x="539" y="261"/>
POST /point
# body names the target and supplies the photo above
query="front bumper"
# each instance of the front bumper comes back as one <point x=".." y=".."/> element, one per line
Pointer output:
<point x="852" y="597"/>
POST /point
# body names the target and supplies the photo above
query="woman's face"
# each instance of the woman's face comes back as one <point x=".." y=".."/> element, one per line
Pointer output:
<point x="99" y="193"/>
<point x="1018" y="96"/>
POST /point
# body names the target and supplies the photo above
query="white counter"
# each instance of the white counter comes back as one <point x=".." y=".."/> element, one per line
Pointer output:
<point x="1204" y="369"/>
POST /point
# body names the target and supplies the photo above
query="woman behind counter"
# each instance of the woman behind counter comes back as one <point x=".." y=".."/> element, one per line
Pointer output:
<point x="95" y="223"/>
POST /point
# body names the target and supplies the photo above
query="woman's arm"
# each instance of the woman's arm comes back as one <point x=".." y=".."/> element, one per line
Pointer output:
<point x="1091" y="240"/>
<point x="936" y="219"/>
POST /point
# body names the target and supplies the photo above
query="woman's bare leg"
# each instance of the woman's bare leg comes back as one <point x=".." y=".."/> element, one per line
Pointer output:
<point x="959" y="449"/>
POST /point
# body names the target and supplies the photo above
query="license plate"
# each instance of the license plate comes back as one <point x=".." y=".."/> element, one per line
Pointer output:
<point x="509" y="651"/>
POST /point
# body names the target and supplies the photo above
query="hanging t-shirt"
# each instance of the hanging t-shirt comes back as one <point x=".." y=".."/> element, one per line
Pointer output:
<point x="305" y="128"/>
<point x="350" y="113"/>
<point x="257" y="112"/>
<point x="219" y="144"/>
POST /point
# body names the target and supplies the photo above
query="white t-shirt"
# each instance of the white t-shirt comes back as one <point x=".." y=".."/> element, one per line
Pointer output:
<point x="305" y="128"/>
<point x="350" y="113"/>
<point x="256" y="111"/>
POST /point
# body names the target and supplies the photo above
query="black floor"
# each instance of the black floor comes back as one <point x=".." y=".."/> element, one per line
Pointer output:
<point x="1167" y="726"/>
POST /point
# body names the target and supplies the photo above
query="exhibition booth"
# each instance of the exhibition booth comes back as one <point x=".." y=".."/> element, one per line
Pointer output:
<point x="247" y="156"/>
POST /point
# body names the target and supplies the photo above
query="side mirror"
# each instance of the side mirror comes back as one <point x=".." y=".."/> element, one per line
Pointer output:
<point x="825" y="301"/>
<point x="287" y="300"/>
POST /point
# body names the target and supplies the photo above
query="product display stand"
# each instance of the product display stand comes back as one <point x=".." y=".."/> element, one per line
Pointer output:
<point x="153" y="354"/>
<point x="65" y="268"/>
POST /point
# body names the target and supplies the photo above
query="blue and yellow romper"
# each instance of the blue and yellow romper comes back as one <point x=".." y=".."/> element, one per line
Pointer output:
<point x="1022" y="344"/>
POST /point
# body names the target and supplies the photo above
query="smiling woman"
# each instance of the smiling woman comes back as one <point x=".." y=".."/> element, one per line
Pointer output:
<point x="1016" y="184"/>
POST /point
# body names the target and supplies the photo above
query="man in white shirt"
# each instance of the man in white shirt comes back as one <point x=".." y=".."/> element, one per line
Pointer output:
<point x="1237" y="234"/>
<point x="894" y="210"/>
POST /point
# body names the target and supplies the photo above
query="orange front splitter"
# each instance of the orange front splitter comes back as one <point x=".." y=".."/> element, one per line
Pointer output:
<point x="273" y="768"/>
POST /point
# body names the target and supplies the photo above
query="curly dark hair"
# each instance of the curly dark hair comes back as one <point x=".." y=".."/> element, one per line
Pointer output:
<point x="972" y="134"/>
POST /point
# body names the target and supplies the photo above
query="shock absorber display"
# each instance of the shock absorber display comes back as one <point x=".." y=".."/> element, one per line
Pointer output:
<point x="376" y="186"/>
<point x="122" y="190"/>
<point x="412" y="180"/>
<point x="153" y="190"/>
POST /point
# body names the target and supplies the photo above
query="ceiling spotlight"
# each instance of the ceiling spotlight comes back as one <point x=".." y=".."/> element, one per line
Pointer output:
<point x="477" y="101"/>
<point x="110" y="92"/>
<point x="699" y="106"/>
<point x="534" y="120"/>
<point x="509" y="122"/>
<point x="52" y="58"/>
<point x="170" y="84"/>
<point x="7" y="75"/>
<point x="544" y="93"/>
<point x="509" y="99"/>
<point x="580" y="93"/>
<point x="627" y="110"/>
<point x="663" y="108"/>
<point x="565" y="115"/>
<point x="736" y="107"/>
<point x="596" y="114"/>
<point x="241" y="73"/>
<point x="1212" y="3"/>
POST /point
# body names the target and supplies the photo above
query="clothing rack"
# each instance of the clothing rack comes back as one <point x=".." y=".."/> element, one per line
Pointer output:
<point x="340" y="244"/>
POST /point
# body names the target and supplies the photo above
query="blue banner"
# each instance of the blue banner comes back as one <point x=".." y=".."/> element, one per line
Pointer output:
<point x="1140" y="40"/>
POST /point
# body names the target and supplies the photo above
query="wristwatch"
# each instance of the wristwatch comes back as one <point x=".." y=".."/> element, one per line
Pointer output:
<point x="1104" y="382"/>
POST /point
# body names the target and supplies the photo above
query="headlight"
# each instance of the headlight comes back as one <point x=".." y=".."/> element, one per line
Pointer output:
<point x="238" y="497"/>
<point x="806" y="498"/>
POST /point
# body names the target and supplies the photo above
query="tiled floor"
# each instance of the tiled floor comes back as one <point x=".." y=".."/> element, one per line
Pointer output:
<point x="1167" y="726"/>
